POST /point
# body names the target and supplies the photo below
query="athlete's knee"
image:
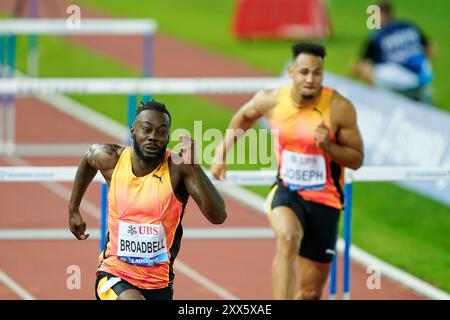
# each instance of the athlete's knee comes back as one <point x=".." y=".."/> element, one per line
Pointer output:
<point x="288" y="243"/>
<point x="309" y="294"/>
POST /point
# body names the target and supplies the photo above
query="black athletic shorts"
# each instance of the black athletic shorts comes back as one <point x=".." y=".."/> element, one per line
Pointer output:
<point x="319" y="223"/>
<point x="111" y="293"/>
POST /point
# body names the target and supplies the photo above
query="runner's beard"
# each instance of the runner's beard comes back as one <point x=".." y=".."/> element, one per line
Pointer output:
<point x="148" y="159"/>
<point x="308" y="96"/>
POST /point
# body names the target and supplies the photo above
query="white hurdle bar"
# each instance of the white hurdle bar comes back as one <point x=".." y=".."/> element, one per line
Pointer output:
<point x="238" y="177"/>
<point x="86" y="27"/>
<point x="33" y="86"/>
<point x="10" y="28"/>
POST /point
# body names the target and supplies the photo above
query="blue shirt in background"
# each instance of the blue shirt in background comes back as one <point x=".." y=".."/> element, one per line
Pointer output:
<point x="402" y="43"/>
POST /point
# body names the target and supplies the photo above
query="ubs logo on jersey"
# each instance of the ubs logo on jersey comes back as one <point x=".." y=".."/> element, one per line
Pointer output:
<point x="148" y="230"/>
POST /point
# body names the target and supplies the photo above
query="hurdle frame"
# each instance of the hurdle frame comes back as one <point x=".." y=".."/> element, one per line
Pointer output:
<point x="10" y="28"/>
<point x="224" y="85"/>
<point x="262" y="177"/>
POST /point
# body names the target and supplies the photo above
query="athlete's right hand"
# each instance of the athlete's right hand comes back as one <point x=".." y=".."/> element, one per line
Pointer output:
<point x="218" y="170"/>
<point x="77" y="226"/>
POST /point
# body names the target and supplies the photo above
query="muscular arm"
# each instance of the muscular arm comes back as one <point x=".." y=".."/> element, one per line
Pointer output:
<point x="204" y="193"/>
<point x="348" y="151"/>
<point x="101" y="157"/>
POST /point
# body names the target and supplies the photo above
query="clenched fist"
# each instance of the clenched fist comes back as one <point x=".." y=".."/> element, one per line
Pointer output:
<point x="322" y="136"/>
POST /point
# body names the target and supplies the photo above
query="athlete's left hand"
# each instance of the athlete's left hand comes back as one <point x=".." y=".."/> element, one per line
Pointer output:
<point x="322" y="136"/>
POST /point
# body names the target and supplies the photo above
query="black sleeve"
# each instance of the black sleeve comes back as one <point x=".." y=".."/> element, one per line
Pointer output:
<point x="370" y="51"/>
<point x="423" y="38"/>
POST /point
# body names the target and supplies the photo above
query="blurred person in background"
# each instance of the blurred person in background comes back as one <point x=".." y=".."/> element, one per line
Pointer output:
<point x="396" y="57"/>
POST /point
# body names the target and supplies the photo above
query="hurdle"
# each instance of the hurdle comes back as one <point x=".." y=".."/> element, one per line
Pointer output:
<point x="30" y="86"/>
<point x="243" y="178"/>
<point x="10" y="28"/>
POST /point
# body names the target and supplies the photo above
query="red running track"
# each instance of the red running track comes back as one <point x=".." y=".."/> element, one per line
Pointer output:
<point x="240" y="267"/>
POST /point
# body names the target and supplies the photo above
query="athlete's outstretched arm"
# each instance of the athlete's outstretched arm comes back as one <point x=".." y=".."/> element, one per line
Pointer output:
<point x="97" y="157"/>
<point x="198" y="184"/>
<point x="242" y="120"/>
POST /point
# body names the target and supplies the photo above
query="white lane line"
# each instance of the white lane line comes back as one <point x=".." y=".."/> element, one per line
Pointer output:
<point x="244" y="196"/>
<point x="87" y="116"/>
<point x="14" y="286"/>
<point x="360" y="256"/>
<point x="203" y="281"/>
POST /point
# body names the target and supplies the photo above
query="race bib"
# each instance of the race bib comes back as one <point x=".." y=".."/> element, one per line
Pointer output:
<point x="303" y="171"/>
<point x="142" y="244"/>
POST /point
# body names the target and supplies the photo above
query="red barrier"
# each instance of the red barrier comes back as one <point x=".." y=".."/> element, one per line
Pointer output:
<point x="288" y="19"/>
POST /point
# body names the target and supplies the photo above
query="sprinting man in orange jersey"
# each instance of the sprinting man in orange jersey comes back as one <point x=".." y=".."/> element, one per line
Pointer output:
<point x="318" y="137"/>
<point x="149" y="187"/>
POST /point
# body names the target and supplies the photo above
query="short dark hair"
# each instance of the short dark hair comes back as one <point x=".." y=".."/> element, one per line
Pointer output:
<point x="386" y="7"/>
<point x="314" y="49"/>
<point x="153" y="105"/>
